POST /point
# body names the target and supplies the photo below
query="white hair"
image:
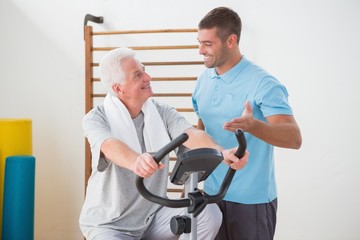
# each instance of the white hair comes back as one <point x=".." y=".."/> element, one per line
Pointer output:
<point x="110" y="67"/>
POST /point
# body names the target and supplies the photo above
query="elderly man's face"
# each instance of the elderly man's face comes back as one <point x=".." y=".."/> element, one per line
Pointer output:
<point x="136" y="84"/>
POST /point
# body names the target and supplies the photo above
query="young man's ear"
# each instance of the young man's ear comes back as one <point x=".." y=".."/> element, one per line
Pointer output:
<point x="232" y="40"/>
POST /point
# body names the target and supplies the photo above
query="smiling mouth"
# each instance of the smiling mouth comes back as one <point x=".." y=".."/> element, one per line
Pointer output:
<point x="146" y="87"/>
<point x="207" y="58"/>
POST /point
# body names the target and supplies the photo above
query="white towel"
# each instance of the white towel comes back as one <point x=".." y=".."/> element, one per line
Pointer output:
<point x="123" y="128"/>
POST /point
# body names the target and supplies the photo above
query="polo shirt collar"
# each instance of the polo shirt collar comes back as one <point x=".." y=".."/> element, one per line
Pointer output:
<point x="231" y="74"/>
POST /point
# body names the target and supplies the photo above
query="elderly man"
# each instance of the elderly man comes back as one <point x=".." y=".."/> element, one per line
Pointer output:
<point x="122" y="131"/>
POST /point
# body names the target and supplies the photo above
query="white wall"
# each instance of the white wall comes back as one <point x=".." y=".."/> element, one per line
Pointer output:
<point x="311" y="46"/>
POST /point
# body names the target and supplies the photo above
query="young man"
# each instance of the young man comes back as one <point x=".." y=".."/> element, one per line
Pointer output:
<point x="122" y="131"/>
<point x="235" y="93"/>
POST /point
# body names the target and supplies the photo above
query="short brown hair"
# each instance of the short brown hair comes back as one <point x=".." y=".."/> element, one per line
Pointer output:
<point x="226" y="20"/>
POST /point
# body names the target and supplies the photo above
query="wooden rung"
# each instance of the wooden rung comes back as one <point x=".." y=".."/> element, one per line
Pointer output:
<point x="172" y="95"/>
<point x="100" y="95"/>
<point x="141" y="48"/>
<point x="186" y="30"/>
<point x="161" y="79"/>
<point x="164" y="63"/>
<point x="174" y="190"/>
<point x="184" y="109"/>
<point x="173" y="63"/>
<point x="174" y="78"/>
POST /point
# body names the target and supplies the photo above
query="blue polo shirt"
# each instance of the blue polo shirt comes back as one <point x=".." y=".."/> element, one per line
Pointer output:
<point x="219" y="98"/>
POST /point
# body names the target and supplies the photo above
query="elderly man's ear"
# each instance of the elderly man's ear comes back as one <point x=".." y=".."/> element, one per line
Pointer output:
<point x="117" y="88"/>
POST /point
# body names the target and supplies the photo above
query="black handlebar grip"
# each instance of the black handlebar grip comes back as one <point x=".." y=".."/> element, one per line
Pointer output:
<point x="240" y="136"/>
<point x="158" y="156"/>
<point x="169" y="147"/>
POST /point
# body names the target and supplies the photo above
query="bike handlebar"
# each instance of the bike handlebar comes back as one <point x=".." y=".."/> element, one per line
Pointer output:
<point x="179" y="203"/>
<point x="159" y="155"/>
<point x="231" y="172"/>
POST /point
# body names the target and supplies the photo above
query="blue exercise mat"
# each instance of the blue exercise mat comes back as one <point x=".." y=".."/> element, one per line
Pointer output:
<point x="19" y="198"/>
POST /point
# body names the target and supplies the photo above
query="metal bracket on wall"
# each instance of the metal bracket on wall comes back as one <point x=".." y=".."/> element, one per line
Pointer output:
<point x="91" y="18"/>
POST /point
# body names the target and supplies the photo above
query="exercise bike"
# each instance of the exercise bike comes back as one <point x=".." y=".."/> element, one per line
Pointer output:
<point x="191" y="168"/>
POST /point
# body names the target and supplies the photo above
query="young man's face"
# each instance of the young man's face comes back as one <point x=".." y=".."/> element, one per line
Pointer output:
<point x="210" y="45"/>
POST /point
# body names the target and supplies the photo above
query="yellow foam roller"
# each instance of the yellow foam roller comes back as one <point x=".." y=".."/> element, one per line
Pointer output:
<point x="15" y="139"/>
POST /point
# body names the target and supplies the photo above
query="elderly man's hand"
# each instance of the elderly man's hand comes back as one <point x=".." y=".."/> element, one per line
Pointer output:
<point x="145" y="165"/>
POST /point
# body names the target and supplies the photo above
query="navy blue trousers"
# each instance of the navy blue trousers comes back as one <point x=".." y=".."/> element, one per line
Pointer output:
<point x="247" y="221"/>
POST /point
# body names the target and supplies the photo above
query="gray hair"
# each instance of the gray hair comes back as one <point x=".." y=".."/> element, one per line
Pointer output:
<point x="110" y="67"/>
